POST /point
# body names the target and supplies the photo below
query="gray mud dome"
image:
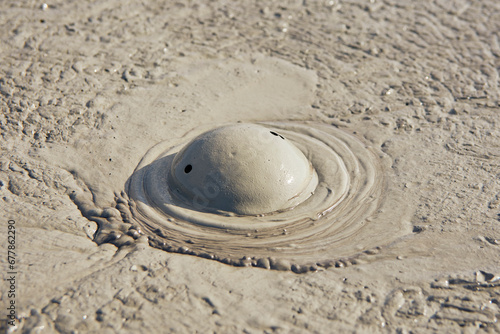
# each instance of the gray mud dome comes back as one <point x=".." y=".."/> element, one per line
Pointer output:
<point x="87" y="88"/>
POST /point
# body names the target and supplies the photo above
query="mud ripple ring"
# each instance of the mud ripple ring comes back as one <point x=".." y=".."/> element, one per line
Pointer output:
<point x="288" y="196"/>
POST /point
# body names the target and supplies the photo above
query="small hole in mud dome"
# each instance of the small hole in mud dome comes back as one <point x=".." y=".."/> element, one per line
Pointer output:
<point x="188" y="169"/>
<point x="277" y="134"/>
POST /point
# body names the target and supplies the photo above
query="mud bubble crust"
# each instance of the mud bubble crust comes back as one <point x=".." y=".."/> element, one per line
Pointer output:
<point x="329" y="204"/>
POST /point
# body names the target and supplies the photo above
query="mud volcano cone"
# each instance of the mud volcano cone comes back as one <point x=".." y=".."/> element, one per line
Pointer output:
<point x="245" y="169"/>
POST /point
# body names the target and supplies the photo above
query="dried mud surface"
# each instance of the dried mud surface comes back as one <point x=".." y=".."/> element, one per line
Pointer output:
<point x="87" y="87"/>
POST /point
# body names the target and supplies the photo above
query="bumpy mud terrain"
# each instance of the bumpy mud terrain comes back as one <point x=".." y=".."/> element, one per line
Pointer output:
<point x="86" y="88"/>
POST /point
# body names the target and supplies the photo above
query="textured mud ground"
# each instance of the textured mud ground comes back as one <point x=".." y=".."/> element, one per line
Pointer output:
<point x="85" y="87"/>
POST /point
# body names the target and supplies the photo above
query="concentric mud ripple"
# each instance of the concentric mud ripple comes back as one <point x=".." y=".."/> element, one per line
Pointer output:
<point x="350" y="213"/>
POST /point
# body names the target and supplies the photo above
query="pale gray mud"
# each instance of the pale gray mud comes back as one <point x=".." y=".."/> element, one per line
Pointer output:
<point x="86" y="88"/>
